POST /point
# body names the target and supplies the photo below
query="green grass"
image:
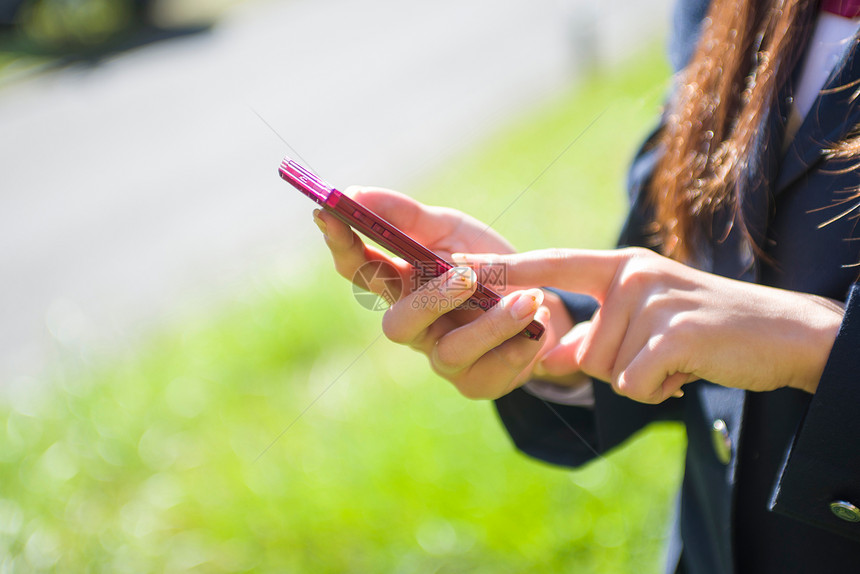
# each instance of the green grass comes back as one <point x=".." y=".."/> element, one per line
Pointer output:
<point x="156" y="462"/>
<point x="52" y="31"/>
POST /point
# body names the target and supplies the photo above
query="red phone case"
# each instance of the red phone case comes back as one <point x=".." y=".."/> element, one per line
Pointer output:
<point x="385" y="234"/>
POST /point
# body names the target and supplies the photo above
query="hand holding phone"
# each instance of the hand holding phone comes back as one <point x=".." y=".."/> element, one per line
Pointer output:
<point x="386" y="234"/>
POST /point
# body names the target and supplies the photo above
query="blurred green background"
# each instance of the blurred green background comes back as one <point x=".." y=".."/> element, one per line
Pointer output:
<point x="157" y="461"/>
<point x="36" y="33"/>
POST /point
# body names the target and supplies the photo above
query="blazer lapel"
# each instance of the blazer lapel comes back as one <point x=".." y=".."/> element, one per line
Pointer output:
<point x="833" y="115"/>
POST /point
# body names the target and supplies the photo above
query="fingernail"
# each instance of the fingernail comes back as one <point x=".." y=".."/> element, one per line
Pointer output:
<point x="678" y="394"/>
<point x="458" y="258"/>
<point x="527" y="305"/>
<point x="460" y="278"/>
<point x="568" y="337"/>
<point x="320" y="223"/>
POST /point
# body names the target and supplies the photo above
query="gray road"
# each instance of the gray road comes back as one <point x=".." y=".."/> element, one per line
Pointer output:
<point x="134" y="190"/>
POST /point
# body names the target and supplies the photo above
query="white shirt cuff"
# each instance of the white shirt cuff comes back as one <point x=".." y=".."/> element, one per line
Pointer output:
<point x="579" y="396"/>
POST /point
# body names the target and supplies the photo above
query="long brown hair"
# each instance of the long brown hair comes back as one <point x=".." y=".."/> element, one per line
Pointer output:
<point x="746" y="50"/>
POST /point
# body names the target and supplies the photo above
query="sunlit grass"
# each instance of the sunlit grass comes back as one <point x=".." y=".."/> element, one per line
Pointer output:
<point x="48" y="32"/>
<point x="165" y="461"/>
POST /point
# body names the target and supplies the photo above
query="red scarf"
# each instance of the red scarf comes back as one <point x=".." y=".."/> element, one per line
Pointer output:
<point x="844" y="8"/>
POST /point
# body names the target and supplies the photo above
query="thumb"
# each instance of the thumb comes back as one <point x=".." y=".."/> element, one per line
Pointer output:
<point x="562" y="359"/>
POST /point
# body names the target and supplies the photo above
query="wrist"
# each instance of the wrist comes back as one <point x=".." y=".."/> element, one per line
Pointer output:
<point x="823" y="325"/>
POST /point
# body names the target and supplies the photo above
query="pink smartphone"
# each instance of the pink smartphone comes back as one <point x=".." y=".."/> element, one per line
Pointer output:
<point x="385" y="234"/>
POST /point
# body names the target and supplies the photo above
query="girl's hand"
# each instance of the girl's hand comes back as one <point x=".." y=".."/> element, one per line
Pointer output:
<point x="480" y="352"/>
<point x="662" y="324"/>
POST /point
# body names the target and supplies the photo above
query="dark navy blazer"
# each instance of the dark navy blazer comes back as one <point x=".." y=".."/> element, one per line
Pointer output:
<point x="759" y="499"/>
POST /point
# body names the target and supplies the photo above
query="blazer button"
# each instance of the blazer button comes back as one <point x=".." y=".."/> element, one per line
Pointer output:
<point x="721" y="441"/>
<point x="845" y="510"/>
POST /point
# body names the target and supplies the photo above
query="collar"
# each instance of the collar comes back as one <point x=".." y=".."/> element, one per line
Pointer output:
<point x="844" y="8"/>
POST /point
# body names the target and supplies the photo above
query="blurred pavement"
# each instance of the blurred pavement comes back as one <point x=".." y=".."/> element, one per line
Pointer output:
<point x="140" y="188"/>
